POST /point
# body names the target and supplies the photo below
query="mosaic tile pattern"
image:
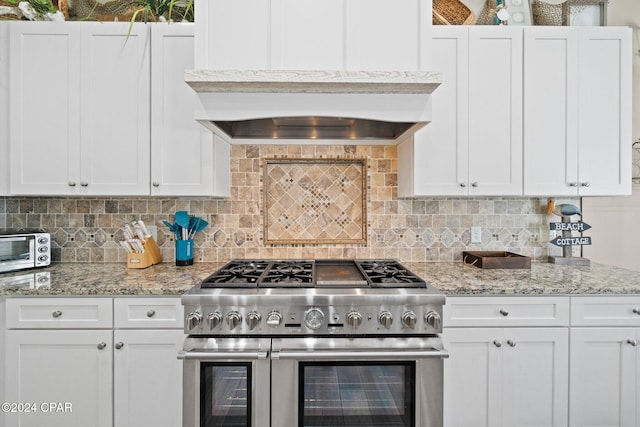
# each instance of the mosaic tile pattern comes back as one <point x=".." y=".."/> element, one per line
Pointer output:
<point x="411" y="230"/>
<point x="313" y="201"/>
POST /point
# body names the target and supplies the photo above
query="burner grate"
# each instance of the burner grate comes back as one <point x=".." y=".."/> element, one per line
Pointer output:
<point x="289" y="274"/>
<point x="237" y="274"/>
<point x="390" y="274"/>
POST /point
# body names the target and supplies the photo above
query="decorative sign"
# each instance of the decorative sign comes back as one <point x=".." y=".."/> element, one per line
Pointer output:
<point x="571" y="241"/>
<point x="569" y="226"/>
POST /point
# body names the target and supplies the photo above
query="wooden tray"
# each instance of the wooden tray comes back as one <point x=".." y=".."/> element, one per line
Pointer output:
<point x="495" y="259"/>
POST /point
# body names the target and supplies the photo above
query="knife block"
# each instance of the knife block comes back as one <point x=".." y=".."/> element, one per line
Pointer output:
<point x="149" y="257"/>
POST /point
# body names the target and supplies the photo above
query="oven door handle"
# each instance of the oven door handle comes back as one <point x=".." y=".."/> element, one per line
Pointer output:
<point x="218" y="355"/>
<point x="333" y="355"/>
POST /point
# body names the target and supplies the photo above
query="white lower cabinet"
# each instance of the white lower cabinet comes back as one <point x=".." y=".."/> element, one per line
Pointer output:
<point x="59" y="378"/>
<point x="605" y="361"/>
<point x="65" y="360"/>
<point x="147" y="378"/>
<point x="506" y="376"/>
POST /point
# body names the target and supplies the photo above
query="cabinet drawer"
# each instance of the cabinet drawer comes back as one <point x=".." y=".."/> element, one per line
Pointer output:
<point x="157" y="312"/>
<point x="506" y="311"/>
<point x="59" y="313"/>
<point x="605" y="311"/>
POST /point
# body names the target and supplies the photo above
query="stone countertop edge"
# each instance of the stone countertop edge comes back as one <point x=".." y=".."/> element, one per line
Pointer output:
<point x="452" y="278"/>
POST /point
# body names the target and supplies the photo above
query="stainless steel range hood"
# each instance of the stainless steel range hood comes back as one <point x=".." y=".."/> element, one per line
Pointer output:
<point x="319" y="106"/>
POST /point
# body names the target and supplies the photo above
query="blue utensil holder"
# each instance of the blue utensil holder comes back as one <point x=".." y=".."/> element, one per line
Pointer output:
<point x="184" y="252"/>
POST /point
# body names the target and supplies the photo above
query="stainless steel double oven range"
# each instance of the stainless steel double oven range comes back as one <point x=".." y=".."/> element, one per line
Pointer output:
<point x="286" y="343"/>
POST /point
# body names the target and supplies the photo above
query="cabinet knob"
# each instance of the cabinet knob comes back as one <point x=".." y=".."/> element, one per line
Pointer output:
<point x="102" y="345"/>
<point x="84" y="184"/>
<point x="474" y="184"/>
<point x="119" y="345"/>
<point x="497" y="343"/>
<point x="636" y="311"/>
<point x="511" y="343"/>
<point x="463" y="185"/>
<point x="56" y="314"/>
<point x="572" y="184"/>
<point x="584" y="184"/>
<point x="504" y="312"/>
<point x="151" y="313"/>
<point x="632" y="342"/>
<point x="71" y="184"/>
<point x="155" y="184"/>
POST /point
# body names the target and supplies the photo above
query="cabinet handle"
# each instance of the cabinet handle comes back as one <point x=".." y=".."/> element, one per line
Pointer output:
<point x="119" y="345"/>
<point x="632" y="342"/>
<point x="504" y="312"/>
<point x="155" y="184"/>
<point x="463" y="185"/>
<point x="151" y="313"/>
<point x="56" y="314"/>
<point x="84" y="184"/>
<point x="584" y="184"/>
<point x="511" y="343"/>
<point x="474" y="184"/>
<point x="71" y="184"/>
<point x="497" y="343"/>
<point x="572" y="184"/>
<point x="636" y="311"/>
<point x="102" y="345"/>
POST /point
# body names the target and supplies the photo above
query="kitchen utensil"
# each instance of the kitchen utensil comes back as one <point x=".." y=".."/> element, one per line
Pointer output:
<point x="173" y="228"/>
<point x="182" y="219"/>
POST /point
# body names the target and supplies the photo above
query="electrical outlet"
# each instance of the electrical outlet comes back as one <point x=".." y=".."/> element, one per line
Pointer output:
<point x="153" y="230"/>
<point x="476" y="234"/>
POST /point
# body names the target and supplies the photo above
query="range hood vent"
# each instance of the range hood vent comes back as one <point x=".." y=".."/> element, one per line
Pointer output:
<point x="374" y="107"/>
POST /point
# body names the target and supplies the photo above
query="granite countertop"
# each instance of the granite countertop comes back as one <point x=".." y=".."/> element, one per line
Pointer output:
<point x="67" y="279"/>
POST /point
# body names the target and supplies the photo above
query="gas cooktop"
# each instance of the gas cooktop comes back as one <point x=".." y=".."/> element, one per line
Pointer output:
<point x="313" y="274"/>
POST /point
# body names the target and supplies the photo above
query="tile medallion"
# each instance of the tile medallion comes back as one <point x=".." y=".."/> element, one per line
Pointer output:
<point x="315" y="201"/>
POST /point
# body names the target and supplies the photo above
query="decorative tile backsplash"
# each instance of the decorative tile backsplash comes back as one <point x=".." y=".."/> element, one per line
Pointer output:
<point x="87" y="229"/>
<point x="315" y="201"/>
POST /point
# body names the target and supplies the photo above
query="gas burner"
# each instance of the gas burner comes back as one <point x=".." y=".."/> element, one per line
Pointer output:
<point x="282" y="274"/>
<point x="390" y="274"/>
<point x="237" y="274"/>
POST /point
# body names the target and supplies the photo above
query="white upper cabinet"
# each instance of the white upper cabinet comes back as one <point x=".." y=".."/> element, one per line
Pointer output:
<point x="67" y="144"/>
<point x="183" y="159"/>
<point x="313" y="35"/>
<point x="4" y="109"/>
<point x="577" y="102"/>
<point x="45" y="108"/>
<point x="474" y="144"/>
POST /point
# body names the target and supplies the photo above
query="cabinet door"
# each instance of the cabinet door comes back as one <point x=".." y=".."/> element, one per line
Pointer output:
<point x="389" y="36"/>
<point x="181" y="158"/>
<point x="473" y="377"/>
<point x="147" y="378"/>
<point x="604" y="121"/>
<point x="115" y="109"/>
<point x="44" y="112"/>
<point x="440" y="163"/>
<point x="71" y="369"/>
<point x="550" y="111"/>
<point x="535" y="376"/>
<point x="495" y="110"/>
<point x="4" y="109"/>
<point x="603" y="390"/>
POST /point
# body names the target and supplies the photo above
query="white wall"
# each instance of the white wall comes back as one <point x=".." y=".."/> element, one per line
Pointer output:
<point x="616" y="220"/>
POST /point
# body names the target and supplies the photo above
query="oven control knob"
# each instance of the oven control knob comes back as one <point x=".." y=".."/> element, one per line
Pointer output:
<point x="313" y="318"/>
<point x="233" y="319"/>
<point x="253" y="319"/>
<point x="385" y="319"/>
<point x="354" y="319"/>
<point x="274" y="319"/>
<point x="214" y="319"/>
<point x="433" y="319"/>
<point x="193" y="319"/>
<point x="409" y="319"/>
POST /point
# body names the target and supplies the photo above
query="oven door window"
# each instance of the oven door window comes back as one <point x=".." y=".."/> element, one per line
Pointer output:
<point x="357" y="394"/>
<point x="225" y="400"/>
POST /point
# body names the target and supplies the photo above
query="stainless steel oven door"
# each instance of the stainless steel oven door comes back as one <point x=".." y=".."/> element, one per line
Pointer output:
<point x="226" y="382"/>
<point x="391" y="382"/>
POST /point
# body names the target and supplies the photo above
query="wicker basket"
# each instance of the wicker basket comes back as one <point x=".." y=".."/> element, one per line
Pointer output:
<point x="451" y="12"/>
